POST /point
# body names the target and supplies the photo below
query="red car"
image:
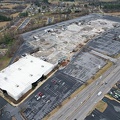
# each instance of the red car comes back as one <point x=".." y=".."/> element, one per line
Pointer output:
<point x="40" y="93"/>
<point x="54" y="81"/>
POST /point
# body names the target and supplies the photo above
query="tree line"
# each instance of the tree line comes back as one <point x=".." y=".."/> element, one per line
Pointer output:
<point x="111" y="6"/>
<point x="5" y="18"/>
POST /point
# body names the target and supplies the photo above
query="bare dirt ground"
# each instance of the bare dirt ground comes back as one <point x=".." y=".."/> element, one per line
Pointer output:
<point x="114" y="13"/>
<point x="15" y="14"/>
<point x="107" y="0"/>
<point x="2" y="24"/>
<point x="4" y="62"/>
<point x="10" y="6"/>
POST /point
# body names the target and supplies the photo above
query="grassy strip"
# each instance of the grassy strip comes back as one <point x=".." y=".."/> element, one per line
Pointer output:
<point x="117" y="56"/>
<point x="111" y="98"/>
<point x="101" y="106"/>
<point x="4" y="61"/>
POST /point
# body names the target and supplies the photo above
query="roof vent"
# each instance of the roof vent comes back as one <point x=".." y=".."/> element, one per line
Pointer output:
<point x="19" y="68"/>
<point x="31" y="75"/>
<point x="42" y="65"/>
<point x="17" y="85"/>
<point x="5" y="78"/>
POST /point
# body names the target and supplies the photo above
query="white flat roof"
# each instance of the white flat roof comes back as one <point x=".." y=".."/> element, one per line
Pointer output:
<point x="17" y="78"/>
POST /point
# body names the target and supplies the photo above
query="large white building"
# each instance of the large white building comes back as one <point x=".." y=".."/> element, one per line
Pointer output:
<point x="17" y="78"/>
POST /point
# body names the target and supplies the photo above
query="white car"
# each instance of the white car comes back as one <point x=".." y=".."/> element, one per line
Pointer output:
<point x="43" y="96"/>
<point x="48" y="101"/>
<point x="99" y="93"/>
<point x="38" y="97"/>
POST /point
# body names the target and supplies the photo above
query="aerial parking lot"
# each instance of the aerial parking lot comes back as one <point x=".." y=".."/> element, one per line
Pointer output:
<point x="96" y="33"/>
<point x="62" y="84"/>
<point x="108" y="43"/>
<point x="50" y="95"/>
<point x="112" y="112"/>
<point x="83" y="66"/>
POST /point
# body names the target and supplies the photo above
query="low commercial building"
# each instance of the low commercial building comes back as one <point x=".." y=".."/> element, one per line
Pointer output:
<point x="17" y="79"/>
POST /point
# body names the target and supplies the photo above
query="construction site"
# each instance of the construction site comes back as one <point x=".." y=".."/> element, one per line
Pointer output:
<point x="60" y="41"/>
<point x="80" y="48"/>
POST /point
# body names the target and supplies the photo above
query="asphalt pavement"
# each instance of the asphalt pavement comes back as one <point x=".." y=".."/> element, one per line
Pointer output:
<point x="80" y="105"/>
<point x="111" y="112"/>
<point x="3" y="102"/>
<point x="24" y="23"/>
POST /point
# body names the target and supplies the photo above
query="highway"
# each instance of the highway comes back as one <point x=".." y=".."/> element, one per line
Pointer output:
<point x="24" y="23"/>
<point x="82" y="103"/>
